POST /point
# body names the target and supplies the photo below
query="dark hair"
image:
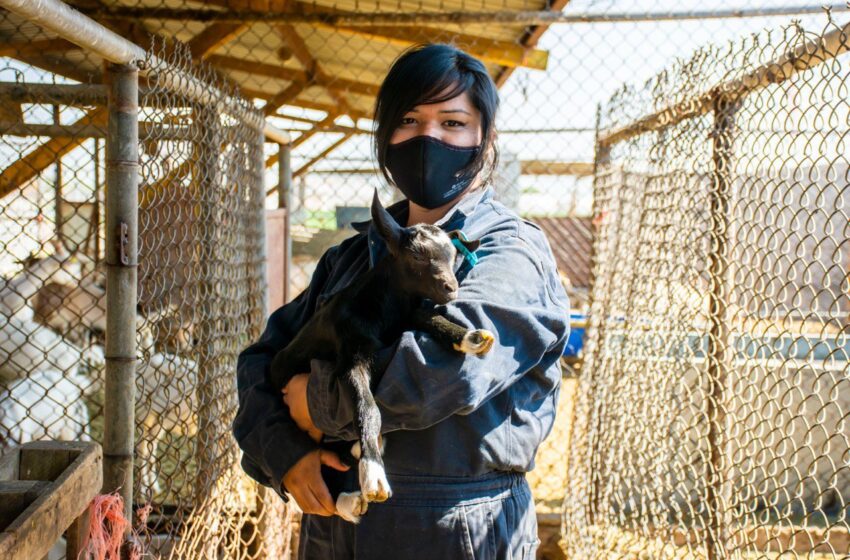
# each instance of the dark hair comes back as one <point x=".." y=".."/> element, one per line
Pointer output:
<point x="417" y="77"/>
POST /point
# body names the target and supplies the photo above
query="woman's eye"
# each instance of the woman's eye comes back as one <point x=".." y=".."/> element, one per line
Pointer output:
<point x="454" y="123"/>
<point x="408" y="120"/>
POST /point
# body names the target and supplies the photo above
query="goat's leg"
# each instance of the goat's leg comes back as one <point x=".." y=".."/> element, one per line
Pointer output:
<point x="373" y="478"/>
<point x="478" y="341"/>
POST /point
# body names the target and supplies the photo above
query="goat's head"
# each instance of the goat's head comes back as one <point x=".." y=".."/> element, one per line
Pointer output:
<point x="422" y="256"/>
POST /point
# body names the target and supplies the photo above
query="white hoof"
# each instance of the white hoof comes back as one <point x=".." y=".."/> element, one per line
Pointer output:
<point x="476" y="342"/>
<point x="373" y="481"/>
<point x="351" y="505"/>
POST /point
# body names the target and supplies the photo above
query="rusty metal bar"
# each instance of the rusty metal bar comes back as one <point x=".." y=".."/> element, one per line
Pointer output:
<point x="504" y="17"/>
<point x="72" y="25"/>
<point x="718" y="357"/>
<point x="122" y="198"/>
<point x="804" y="57"/>
<point x="284" y="191"/>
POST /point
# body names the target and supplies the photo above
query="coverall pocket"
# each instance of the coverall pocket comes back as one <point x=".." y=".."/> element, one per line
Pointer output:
<point x="389" y="532"/>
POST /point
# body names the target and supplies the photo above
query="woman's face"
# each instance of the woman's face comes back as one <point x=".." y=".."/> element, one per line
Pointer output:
<point x="456" y="122"/>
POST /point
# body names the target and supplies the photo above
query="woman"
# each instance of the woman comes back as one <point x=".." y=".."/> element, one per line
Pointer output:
<point x="462" y="430"/>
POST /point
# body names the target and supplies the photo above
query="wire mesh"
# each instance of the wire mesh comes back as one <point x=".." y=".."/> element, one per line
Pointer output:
<point x="202" y="285"/>
<point x="713" y="409"/>
<point x="647" y="205"/>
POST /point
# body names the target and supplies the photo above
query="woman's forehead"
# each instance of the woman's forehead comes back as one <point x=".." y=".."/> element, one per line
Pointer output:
<point x="460" y="104"/>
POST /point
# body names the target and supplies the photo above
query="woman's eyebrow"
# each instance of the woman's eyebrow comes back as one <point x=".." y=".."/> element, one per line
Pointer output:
<point x="456" y="111"/>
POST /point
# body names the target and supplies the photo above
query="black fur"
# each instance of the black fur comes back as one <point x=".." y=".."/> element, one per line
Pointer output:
<point x="373" y="312"/>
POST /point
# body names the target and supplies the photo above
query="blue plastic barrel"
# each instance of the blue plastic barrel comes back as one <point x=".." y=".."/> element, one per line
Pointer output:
<point x="578" y="324"/>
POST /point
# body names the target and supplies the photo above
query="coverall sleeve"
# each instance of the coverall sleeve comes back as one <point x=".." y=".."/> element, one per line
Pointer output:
<point x="514" y="292"/>
<point x="270" y="440"/>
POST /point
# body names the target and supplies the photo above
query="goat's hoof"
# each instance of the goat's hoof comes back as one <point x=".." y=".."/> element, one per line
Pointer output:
<point x="351" y="506"/>
<point x="373" y="481"/>
<point x="476" y="342"/>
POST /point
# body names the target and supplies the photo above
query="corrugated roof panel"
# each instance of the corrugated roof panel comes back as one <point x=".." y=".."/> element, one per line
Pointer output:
<point x="571" y="240"/>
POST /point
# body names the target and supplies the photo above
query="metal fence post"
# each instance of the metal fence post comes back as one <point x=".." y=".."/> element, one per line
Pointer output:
<point x="284" y="191"/>
<point x="719" y="358"/>
<point x="122" y="196"/>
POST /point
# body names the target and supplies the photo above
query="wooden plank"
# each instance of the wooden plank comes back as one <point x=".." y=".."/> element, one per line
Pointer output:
<point x="44" y="464"/>
<point x="285" y="97"/>
<point x="16" y="496"/>
<point x="304" y="104"/>
<point x="36" y="48"/>
<point x="213" y="37"/>
<point x="313" y="70"/>
<point x="36" y="161"/>
<point x="9" y="464"/>
<point x="530" y="38"/>
<point x="25" y="169"/>
<point x="33" y="533"/>
<point x="260" y="68"/>
<point x="75" y="535"/>
<point x="492" y="51"/>
<point x="304" y="168"/>
<point x="307" y="134"/>
<point x="542" y="167"/>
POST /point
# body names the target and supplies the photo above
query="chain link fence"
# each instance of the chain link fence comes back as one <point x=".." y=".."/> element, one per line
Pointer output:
<point x="714" y="401"/>
<point x="313" y="70"/>
<point x="201" y="282"/>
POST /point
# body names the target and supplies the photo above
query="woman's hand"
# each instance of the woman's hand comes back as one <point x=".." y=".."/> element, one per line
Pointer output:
<point x="295" y="397"/>
<point x="304" y="482"/>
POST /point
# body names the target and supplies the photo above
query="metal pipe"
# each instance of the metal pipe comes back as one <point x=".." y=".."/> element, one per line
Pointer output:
<point x="57" y="188"/>
<point x="122" y="195"/>
<point x="805" y="56"/>
<point x="77" y="131"/>
<point x="718" y="355"/>
<point x="70" y="24"/>
<point x="505" y="17"/>
<point x="284" y="191"/>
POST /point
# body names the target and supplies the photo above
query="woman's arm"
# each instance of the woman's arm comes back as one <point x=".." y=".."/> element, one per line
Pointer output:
<point x="270" y="440"/>
<point x="514" y="291"/>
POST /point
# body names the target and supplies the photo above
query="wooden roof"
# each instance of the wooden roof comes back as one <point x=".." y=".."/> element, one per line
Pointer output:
<point x="333" y="69"/>
<point x="312" y="65"/>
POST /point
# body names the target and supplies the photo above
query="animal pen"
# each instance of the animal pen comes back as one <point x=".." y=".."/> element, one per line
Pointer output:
<point x="171" y="170"/>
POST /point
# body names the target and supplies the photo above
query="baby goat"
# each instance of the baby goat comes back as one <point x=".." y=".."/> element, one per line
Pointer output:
<point x="373" y="311"/>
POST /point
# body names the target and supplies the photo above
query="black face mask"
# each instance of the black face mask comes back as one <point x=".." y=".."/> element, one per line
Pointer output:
<point x="425" y="169"/>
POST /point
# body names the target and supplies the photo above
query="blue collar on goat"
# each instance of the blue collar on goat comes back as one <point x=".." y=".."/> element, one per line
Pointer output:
<point x="453" y="219"/>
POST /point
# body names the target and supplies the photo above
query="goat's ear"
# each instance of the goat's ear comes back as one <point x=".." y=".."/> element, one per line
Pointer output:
<point x="387" y="227"/>
<point x="471" y="245"/>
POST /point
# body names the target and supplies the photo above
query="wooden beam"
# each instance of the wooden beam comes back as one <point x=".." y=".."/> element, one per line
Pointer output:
<point x="529" y="39"/>
<point x="542" y="167"/>
<point x="62" y="68"/>
<point x="31" y="165"/>
<point x="303" y="169"/>
<point x="259" y="68"/>
<point x="285" y="97"/>
<point x="337" y="85"/>
<point x="36" y="48"/>
<point x="306" y="135"/>
<point x="317" y="75"/>
<point x="503" y="53"/>
<point x="213" y="37"/>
